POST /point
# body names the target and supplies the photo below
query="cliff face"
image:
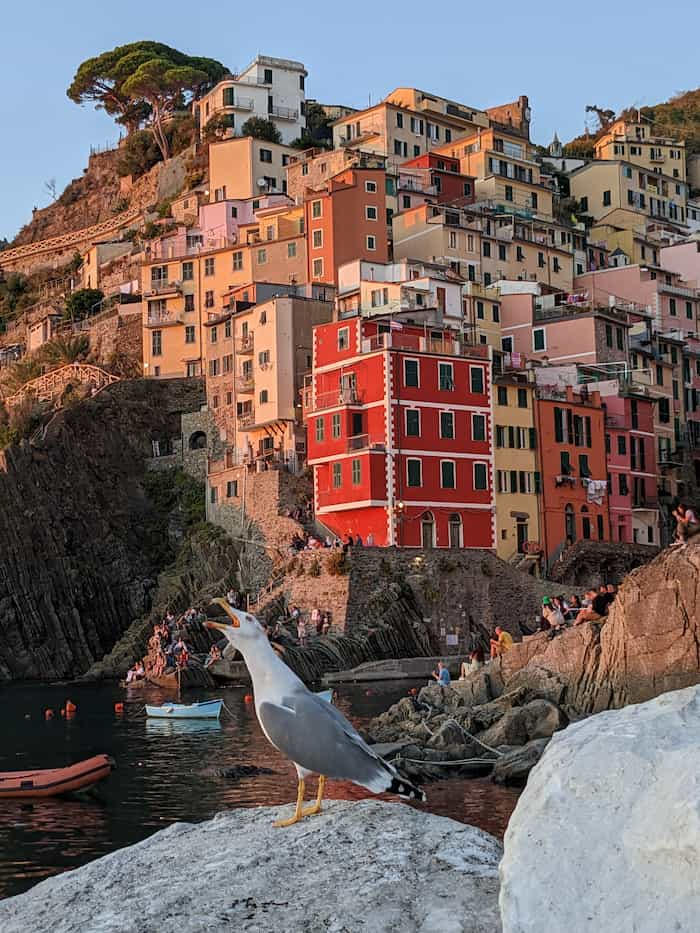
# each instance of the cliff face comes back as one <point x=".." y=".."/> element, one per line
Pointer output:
<point x="76" y="562"/>
<point x="650" y="643"/>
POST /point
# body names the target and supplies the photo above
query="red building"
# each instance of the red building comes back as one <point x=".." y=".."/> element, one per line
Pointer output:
<point x="574" y="502"/>
<point x="400" y="433"/>
<point x="632" y="472"/>
<point x="438" y="175"/>
<point x="346" y="219"/>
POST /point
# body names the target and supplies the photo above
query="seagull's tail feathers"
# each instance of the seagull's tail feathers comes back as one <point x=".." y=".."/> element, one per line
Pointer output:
<point x="403" y="788"/>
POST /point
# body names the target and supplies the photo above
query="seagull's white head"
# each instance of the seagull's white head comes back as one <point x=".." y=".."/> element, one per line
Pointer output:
<point x="241" y="628"/>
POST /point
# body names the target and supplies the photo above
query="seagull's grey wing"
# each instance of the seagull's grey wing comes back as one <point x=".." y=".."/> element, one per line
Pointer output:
<point x="316" y="736"/>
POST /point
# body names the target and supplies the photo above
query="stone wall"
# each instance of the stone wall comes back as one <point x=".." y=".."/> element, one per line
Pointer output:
<point x="197" y="441"/>
<point x="121" y="333"/>
<point x="590" y="563"/>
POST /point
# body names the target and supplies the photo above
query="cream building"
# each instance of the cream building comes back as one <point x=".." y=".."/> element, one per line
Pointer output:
<point x="244" y="168"/>
<point x="637" y="143"/>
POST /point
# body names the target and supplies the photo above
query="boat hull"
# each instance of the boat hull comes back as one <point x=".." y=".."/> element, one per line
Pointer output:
<point x="56" y="781"/>
<point x="208" y="710"/>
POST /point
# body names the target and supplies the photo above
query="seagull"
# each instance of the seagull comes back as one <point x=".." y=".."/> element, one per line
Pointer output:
<point x="303" y="726"/>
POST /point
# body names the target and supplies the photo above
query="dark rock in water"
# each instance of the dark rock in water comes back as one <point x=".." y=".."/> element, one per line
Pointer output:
<point x="514" y="767"/>
<point x="538" y="719"/>
<point x="238" y="772"/>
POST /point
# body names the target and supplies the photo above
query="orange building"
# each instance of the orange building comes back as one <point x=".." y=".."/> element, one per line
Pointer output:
<point x="346" y="219"/>
<point x="574" y="502"/>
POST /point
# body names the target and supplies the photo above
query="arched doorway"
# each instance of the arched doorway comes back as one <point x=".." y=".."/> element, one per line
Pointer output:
<point x="569" y="523"/>
<point x="455" y="530"/>
<point x="427" y="529"/>
<point x="585" y="522"/>
<point x="197" y="441"/>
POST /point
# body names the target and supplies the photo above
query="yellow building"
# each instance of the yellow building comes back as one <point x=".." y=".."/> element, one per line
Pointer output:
<point x="244" y="167"/>
<point x="626" y="247"/>
<point x="482" y="314"/>
<point x="638" y="144"/>
<point x="516" y="469"/>
<point x="624" y="195"/>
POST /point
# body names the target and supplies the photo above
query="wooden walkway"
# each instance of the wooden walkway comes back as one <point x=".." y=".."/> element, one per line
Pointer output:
<point x="50" y="386"/>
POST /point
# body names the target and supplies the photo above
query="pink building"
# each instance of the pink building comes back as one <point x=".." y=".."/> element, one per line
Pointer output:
<point x="683" y="259"/>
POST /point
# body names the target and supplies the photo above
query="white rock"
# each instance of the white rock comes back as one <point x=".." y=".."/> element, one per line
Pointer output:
<point x="368" y="866"/>
<point x="606" y="836"/>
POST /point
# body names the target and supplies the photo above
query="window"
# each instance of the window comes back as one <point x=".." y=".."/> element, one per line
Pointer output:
<point x="480" y="310"/>
<point x="190" y="334"/>
<point x="263" y="356"/>
<point x="659" y="375"/>
<point x="209" y="299"/>
<point x="213" y="495"/>
<point x="337" y="475"/>
<point x="584" y="205"/>
<point x="447" y="425"/>
<point x="316" y="209"/>
<point x="502" y="252"/>
<point x="237" y="261"/>
<point x="399" y="120"/>
<point x="209" y="266"/>
<point x="266" y="155"/>
<point x="478" y="427"/>
<point x="156" y="343"/>
<point x="189" y="302"/>
<point x="232" y="489"/>
<point x="502" y="395"/>
<point x="564" y="463"/>
<point x="356" y="472"/>
<point x="672" y="307"/>
<point x="507" y="344"/>
<point x="509" y="193"/>
<point x="412" y="422"/>
<point x="623" y="487"/>
<point x="335" y="425"/>
<point x="607" y="199"/>
<point x="476" y="378"/>
<point x="343" y="338"/>
<point x="583" y="467"/>
<point x="621" y="445"/>
<point x="620" y="338"/>
<point x="406" y="201"/>
<point x="317" y="268"/>
<point x="522" y="398"/>
<point x="445" y="377"/>
<point x="262" y="257"/>
<point x="291" y="250"/>
<point x="214" y="367"/>
<point x="540" y="260"/>
<point x="371" y="187"/>
<point x="187" y="271"/>
<point x="370" y="212"/>
<point x="413" y="472"/>
<point x="486" y="249"/>
<point x="447" y="474"/>
<point x="411" y="373"/>
<point x="227" y="328"/>
<point x="538" y="339"/>
<point x="320" y="429"/>
<point x="267" y="79"/>
<point x="533" y="200"/>
<point x="480" y="476"/>
<point x="689" y="310"/>
<point x="317" y="239"/>
<point x="371" y="242"/>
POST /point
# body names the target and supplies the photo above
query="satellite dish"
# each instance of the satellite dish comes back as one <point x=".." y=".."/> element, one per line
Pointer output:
<point x="261" y="183"/>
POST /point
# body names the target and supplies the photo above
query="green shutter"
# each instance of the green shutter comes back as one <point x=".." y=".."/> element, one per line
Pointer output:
<point x="533" y="438"/>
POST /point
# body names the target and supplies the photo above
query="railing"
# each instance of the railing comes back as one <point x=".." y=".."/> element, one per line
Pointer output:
<point x="246" y="344"/>
<point x="160" y="318"/>
<point x="416" y="344"/>
<point x="679" y="290"/>
<point x="283" y="113"/>
<point x="164" y="288"/>
<point x="411" y="183"/>
<point x="614" y="421"/>
<point x="246" y="419"/>
<point x="342" y="396"/>
<point x="364" y="442"/>
<point x="240" y="103"/>
<point x="51" y="385"/>
<point x="245" y="384"/>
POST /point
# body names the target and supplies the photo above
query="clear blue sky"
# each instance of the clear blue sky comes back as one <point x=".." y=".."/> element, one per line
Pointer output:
<point x="562" y="55"/>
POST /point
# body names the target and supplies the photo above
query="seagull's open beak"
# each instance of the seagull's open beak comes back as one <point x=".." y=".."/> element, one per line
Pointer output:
<point x="220" y="626"/>
<point x="230" y="612"/>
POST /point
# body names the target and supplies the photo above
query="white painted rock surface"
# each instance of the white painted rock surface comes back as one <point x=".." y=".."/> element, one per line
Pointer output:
<point x="368" y="866"/>
<point x="606" y="836"/>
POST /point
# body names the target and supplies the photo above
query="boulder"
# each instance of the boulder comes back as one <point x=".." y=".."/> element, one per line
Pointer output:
<point x="369" y="865"/>
<point x="444" y="698"/>
<point x="476" y="688"/>
<point x="606" y="835"/>
<point x="538" y="719"/>
<point x="516" y="764"/>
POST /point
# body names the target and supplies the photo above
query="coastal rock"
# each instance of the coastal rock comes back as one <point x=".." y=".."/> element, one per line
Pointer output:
<point x="538" y="719"/>
<point x="369" y="865"/>
<point x="611" y="817"/>
<point x="516" y="764"/>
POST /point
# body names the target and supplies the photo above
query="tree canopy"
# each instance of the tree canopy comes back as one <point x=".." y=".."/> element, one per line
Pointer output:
<point x="144" y="83"/>
<point x="261" y="129"/>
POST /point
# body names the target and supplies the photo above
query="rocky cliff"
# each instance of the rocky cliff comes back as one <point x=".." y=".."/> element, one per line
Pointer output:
<point x="649" y="644"/>
<point x="79" y="560"/>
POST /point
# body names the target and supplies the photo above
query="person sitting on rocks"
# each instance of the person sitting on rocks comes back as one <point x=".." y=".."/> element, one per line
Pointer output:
<point x="214" y="655"/>
<point x="596" y="610"/>
<point x="442" y="675"/>
<point x="137" y="672"/>
<point x="687" y="524"/>
<point x="573" y="608"/>
<point x="476" y="661"/>
<point x="301" y="630"/>
<point x="501" y="643"/>
<point x="553" y="614"/>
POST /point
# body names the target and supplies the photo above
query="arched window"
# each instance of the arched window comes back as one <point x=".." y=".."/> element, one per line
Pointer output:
<point x="585" y="522"/>
<point x="455" y="530"/>
<point x="197" y="441"/>
<point x="569" y="523"/>
<point x="427" y="528"/>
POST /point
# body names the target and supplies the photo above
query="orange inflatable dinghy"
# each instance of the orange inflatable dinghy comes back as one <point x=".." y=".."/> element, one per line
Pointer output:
<point x="57" y="781"/>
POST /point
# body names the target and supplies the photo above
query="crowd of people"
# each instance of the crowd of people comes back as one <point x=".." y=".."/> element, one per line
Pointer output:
<point x="308" y="542"/>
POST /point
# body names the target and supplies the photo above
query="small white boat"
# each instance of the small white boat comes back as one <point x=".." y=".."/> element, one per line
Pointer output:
<point x="209" y="709"/>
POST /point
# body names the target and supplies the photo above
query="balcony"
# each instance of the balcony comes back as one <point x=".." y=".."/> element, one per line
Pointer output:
<point x="416" y="344"/>
<point x="246" y="345"/>
<point x="246" y="419"/>
<point x="615" y="421"/>
<point x="163" y="318"/>
<point x="364" y="442"/>
<point x="245" y="385"/>
<point x="416" y="184"/>
<point x="657" y="157"/>
<point x="239" y="103"/>
<point x="161" y="288"/>
<point x="645" y="504"/>
<point x="679" y="290"/>
<point x="347" y="395"/>
<point x="283" y="113"/>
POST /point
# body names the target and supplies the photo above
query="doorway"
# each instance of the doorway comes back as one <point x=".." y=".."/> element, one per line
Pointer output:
<point x="455" y="530"/>
<point x="427" y="527"/>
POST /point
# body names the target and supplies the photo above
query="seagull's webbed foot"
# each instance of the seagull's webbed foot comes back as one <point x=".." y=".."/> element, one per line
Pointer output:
<point x="316" y="807"/>
<point x="298" y="813"/>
